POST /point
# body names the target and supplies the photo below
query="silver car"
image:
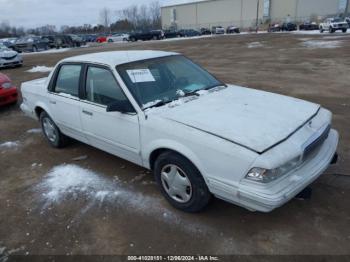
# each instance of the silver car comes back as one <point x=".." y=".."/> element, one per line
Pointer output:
<point x="9" y="58"/>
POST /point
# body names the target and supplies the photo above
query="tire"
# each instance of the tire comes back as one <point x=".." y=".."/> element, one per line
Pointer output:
<point x="34" y="49"/>
<point x="344" y="30"/>
<point x="110" y="41"/>
<point x="155" y="37"/>
<point x="133" y="39"/>
<point x="331" y="30"/>
<point x="55" y="138"/>
<point x="195" y="191"/>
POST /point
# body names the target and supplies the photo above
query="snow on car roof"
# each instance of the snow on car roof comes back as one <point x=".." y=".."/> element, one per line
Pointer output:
<point x="118" y="57"/>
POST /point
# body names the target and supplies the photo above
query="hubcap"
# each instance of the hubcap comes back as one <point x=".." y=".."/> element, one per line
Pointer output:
<point x="49" y="129"/>
<point x="176" y="183"/>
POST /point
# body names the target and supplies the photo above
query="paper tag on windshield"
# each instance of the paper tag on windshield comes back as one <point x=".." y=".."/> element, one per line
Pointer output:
<point x="140" y="75"/>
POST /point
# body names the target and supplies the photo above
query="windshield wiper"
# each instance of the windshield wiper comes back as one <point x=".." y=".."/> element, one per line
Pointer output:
<point x="214" y="86"/>
<point x="192" y="93"/>
<point x="158" y="104"/>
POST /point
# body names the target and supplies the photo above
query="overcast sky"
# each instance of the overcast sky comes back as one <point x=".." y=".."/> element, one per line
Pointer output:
<point x="32" y="13"/>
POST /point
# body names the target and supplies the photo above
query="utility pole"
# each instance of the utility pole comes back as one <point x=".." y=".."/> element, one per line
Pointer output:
<point x="257" y="15"/>
<point x="346" y="8"/>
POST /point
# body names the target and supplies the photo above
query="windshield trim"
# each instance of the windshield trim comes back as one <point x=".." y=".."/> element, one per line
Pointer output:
<point x="220" y="83"/>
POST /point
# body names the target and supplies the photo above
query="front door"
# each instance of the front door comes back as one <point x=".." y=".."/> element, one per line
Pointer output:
<point x="114" y="132"/>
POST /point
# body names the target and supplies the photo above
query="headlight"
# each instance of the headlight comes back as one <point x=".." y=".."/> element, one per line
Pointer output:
<point x="6" y="85"/>
<point x="263" y="175"/>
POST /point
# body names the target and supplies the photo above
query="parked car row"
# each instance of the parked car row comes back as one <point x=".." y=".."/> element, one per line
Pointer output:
<point x="330" y="24"/>
<point x="40" y="43"/>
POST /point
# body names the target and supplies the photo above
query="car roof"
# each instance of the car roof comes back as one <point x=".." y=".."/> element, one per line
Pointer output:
<point x="115" y="58"/>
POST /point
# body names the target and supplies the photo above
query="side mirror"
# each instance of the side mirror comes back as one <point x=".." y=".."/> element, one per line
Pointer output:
<point x="123" y="106"/>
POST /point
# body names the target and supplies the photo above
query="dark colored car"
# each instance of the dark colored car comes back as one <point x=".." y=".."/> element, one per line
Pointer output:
<point x="232" y="30"/>
<point x="89" y="38"/>
<point x="274" y="28"/>
<point x="172" y="34"/>
<point x="150" y="35"/>
<point x="189" y="32"/>
<point x="77" y="40"/>
<point x="347" y="19"/>
<point x="309" y="26"/>
<point x="205" y="31"/>
<point x="289" y="27"/>
<point x="31" y="44"/>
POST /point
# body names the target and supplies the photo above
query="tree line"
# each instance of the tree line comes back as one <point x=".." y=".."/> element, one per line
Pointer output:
<point x="132" y="18"/>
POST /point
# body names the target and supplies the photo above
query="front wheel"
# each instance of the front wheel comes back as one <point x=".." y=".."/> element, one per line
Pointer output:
<point x="331" y="30"/>
<point x="345" y="30"/>
<point x="110" y="41"/>
<point x="51" y="131"/>
<point x="181" y="183"/>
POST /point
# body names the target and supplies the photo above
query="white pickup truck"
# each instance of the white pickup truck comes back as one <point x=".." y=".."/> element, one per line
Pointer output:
<point x="200" y="136"/>
<point x="334" y="24"/>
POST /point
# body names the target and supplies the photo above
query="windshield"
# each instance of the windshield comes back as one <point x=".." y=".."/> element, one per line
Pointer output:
<point x="337" y="20"/>
<point x="165" y="79"/>
<point x="3" y="47"/>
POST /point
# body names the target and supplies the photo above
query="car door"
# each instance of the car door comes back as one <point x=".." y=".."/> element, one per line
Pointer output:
<point x="64" y="100"/>
<point x="114" y="132"/>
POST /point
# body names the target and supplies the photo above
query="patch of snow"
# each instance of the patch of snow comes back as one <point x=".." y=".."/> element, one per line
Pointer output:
<point x="314" y="32"/>
<point x="34" y="131"/>
<point x="51" y="51"/>
<point x="80" y="158"/>
<point x="71" y="182"/>
<point x="10" y="144"/>
<point x="180" y="92"/>
<point x="255" y="45"/>
<point x="40" y="69"/>
<point x="313" y="44"/>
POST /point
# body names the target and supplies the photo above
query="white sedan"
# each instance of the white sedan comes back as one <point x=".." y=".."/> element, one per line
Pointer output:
<point x="9" y="58"/>
<point x="200" y="137"/>
<point x="118" y="38"/>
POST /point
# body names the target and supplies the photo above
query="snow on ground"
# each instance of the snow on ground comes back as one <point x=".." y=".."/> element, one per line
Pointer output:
<point x="40" y="69"/>
<point x="69" y="182"/>
<point x="317" y="32"/>
<point x="255" y="45"/>
<point x="9" y="145"/>
<point x="313" y="44"/>
<point x="34" y="131"/>
<point x="50" y="51"/>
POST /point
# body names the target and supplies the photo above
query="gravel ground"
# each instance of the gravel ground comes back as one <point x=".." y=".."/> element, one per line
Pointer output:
<point x="109" y="206"/>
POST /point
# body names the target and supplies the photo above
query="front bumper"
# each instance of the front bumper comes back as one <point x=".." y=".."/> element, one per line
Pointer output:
<point x="8" y="96"/>
<point x="17" y="61"/>
<point x="267" y="197"/>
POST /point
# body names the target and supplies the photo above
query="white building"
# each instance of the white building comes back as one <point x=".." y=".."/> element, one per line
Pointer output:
<point x="244" y="13"/>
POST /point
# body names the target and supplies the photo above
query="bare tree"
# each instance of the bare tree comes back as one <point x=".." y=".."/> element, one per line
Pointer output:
<point x="154" y="12"/>
<point x="105" y="17"/>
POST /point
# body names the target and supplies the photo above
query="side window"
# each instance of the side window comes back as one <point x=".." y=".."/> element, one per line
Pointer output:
<point x="68" y="80"/>
<point x="101" y="87"/>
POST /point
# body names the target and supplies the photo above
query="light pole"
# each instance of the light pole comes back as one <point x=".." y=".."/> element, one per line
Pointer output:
<point x="257" y="15"/>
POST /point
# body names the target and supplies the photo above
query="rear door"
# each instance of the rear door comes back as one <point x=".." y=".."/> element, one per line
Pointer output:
<point x="114" y="132"/>
<point x="64" y="100"/>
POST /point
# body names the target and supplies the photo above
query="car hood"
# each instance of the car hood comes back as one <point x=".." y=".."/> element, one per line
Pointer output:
<point x="254" y="119"/>
<point x="7" y="54"/>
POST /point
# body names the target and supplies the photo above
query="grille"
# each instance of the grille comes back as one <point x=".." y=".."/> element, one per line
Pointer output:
<point x="9" y="58"/>
<point x="313" y="146"/>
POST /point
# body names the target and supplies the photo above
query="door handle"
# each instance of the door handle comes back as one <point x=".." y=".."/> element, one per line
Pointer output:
<point x="53" y="102"/>
<point x="87" y="113"/>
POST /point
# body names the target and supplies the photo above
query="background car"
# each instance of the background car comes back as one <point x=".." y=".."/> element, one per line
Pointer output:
<point x="232" y="30"/>
<point x="289" y="27"/>
<point x="118" y="38"/>
<point x="9" y="42"/>
<point x="172" y="33"/>
<point x="274" y="28"/>
<point x="77" y="40"/>
<point x="347" y="19"/>
<point x="147" y="35"/>
<point x="205" y="31"/>
<point x="217" y="30"/>
<point x="309" y="26"/>
<point x="101" y="39"/>
<point x="31" y="44"/>
<point x="9" y="57"/>
<point x="8" y="92"/>
<point x="189" y="32"/>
